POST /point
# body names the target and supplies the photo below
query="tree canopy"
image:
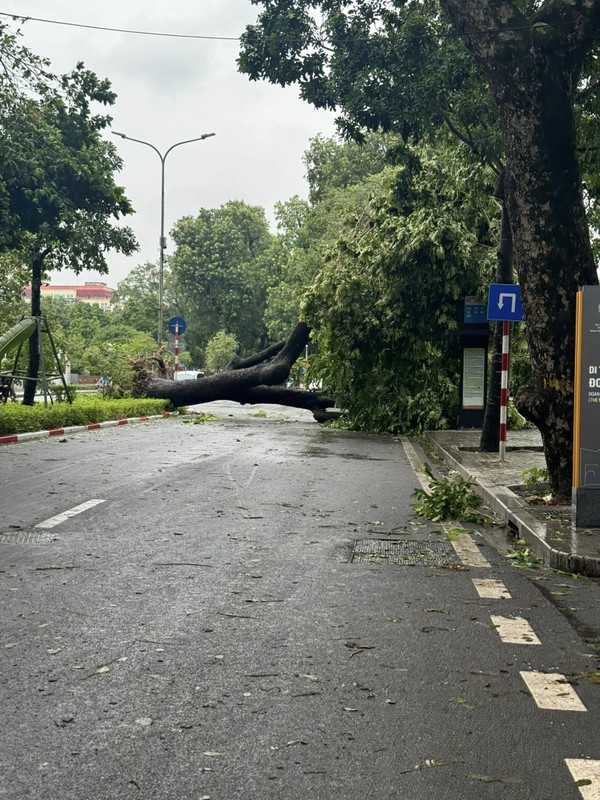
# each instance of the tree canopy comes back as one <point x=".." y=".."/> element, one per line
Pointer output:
<point x="220" y="272"/>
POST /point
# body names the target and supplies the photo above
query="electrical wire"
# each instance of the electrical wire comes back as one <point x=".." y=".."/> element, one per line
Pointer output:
<point x="120" y="30"/>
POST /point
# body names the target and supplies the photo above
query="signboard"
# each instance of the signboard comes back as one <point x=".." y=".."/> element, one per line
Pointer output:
<point x="177" y="323"/>
<point x="181" y="345"/>
<point x="475" y="311"/>
<point x="587" y="415"/>
<point x="473" y="384"/>
<point x="504" y="302"/>
<point x="586" y="439"/>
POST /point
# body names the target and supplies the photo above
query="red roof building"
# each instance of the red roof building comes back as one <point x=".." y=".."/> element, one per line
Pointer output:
<point x="96" y="293"/>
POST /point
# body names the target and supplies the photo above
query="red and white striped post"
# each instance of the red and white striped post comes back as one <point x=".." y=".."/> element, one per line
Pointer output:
<point x="504" y="387"/>
<point x="176" y="350"/>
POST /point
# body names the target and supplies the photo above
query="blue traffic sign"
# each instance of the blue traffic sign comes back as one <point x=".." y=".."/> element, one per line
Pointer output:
<point x="504" y="302"/>
<point x="177" y="325"/>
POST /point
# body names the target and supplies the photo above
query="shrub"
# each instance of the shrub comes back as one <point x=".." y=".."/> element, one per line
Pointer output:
<point x="17" y="418"/>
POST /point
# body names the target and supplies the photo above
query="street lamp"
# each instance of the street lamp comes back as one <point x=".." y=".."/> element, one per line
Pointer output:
<point x="163" y="241"/>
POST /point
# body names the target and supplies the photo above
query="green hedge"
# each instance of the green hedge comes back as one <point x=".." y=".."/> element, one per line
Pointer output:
<point x="16" y="418"/>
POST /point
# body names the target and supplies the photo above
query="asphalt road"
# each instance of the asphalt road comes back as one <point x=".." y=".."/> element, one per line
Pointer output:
<point x="183" y="617"/>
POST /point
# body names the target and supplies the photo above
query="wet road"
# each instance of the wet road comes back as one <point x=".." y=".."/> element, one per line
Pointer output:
<point x="182" y="617"/>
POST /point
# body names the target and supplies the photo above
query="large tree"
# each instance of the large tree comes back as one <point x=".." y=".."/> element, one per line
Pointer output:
<point x="358" y="54"/>
<point x="219" y="272"/>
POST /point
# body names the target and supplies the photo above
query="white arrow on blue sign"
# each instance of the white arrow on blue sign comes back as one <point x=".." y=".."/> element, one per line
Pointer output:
<point x="177" y="325"/>
<point x="504" y="302"/>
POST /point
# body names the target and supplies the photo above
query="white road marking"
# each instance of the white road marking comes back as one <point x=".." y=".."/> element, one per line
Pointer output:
<point x="515" y="630"/>
<point x="72" y="512"/>
<point x="551" y="691"/>
<point x="468" y="552"/>
<point x="491" y="588"/>
<point x="586" y="774"/>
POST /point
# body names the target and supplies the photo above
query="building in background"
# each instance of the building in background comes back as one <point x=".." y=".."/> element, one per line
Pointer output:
<point x="95" y="293"/>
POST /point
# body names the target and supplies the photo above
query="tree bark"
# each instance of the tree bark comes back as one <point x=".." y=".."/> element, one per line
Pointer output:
<point x="256" y="379"/>
<point x="531" y="65"/>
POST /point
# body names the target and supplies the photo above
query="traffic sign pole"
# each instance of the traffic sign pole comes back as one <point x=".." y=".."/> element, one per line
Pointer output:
<point x="504" y="305"/>
<point x="504" y="387"/>
<point x="176" y="350"/>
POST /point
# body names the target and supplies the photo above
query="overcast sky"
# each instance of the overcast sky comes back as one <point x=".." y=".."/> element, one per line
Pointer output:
<point x="172" y="89"/>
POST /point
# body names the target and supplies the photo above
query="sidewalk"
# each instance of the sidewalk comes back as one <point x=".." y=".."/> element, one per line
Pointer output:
<point x="546" y="529"/>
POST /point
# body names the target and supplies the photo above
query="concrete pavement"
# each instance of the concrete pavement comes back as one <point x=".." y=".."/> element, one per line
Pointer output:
<point x="546" y="529"/>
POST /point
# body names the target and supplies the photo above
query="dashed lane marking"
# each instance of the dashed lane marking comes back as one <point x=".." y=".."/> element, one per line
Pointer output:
<point x="514" y="630"/>
<point x="586" y="774"/>
<point x="464" y="547"/>
<point x="468" y="552"/>
<point x="550" y="690"/>
<point x="491" y="588"/>
<point x="72" y="512"/>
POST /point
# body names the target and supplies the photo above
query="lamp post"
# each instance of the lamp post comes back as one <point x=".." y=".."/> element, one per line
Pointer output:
<point x="163" y="241"/>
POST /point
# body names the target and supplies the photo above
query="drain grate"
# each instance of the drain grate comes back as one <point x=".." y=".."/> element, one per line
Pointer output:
<point x="424" y="554"/>
<point x="26" y="537"/>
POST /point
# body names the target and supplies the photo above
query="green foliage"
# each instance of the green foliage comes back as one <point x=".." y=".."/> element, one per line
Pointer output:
<point x="96" y="341"/>
<point x="341" y="178"/>
<point x="514" y="420"/>
<point x="14" y="275"/>
<point x="447" y="499"/>
<point x="387" y="302"/>
<point x="533" y="476"/>
<point x="381" y="65"/>
<point x="63" y="194"/>
<point x="522" y="557"/>
<point x="220" y="349"/>
<point x="331" y="166"/>
<point x="60" y="394"/>
<point x="201" y="418"/>
<point x="221" y="271"/>
<point x="17" y="418"/>
<point x="136" y="301"/>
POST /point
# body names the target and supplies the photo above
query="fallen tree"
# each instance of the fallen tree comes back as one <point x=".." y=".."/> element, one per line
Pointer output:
<point x="260" y="378"/>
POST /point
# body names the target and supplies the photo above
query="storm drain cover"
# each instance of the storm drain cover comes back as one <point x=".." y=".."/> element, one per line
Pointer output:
<point x="423" y="554"/>
<point x="26" y="537"/>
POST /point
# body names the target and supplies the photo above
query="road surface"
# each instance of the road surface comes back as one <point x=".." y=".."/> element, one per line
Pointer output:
<point x="212" y="611"/>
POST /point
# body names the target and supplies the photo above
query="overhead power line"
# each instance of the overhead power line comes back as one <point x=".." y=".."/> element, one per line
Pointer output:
<point x="120" y="30"/>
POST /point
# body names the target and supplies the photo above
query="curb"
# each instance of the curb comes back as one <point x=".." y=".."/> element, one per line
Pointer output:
<point x="511" y="509"/>
<point x="93" y="426"/>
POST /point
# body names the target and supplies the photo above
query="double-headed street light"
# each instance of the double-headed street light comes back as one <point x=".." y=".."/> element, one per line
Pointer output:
<point x="163" y="241"/>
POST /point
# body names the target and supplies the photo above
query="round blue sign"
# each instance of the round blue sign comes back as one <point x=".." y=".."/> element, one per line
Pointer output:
<point x="177" y="325"/>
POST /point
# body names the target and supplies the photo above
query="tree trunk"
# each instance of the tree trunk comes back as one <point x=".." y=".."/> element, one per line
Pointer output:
<point x="531" y="65"/>
<point x="490" y="431"/>
<point x="33" y="368"/>
<point x="554" y="259"/>
<point x="256" y="379"/>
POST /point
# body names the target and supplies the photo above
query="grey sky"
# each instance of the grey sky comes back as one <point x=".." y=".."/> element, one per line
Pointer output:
<point x="175" y="89"/>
